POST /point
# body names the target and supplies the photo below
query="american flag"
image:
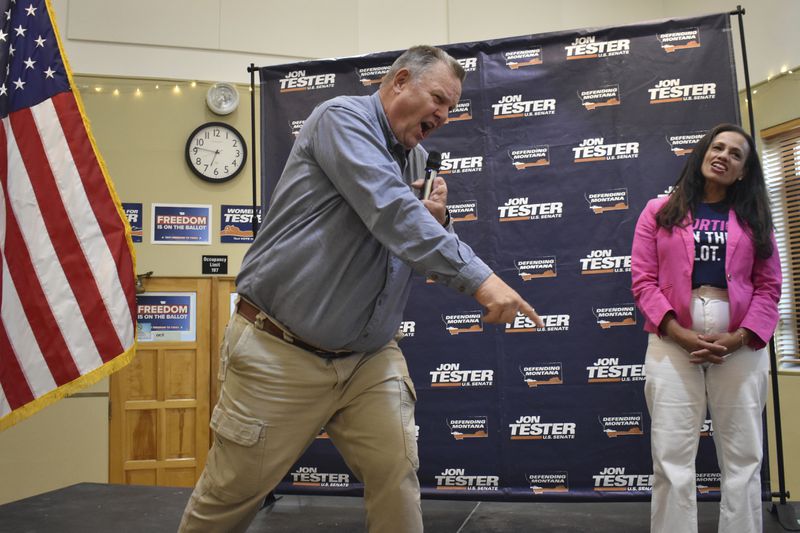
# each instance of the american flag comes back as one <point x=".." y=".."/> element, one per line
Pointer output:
<point x="67" y="291"/>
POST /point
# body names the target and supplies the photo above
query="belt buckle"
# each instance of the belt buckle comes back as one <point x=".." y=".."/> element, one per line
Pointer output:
<point x="259" y="320"/>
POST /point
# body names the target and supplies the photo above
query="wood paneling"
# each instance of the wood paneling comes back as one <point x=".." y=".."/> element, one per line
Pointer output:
<point x="160" y="403"/>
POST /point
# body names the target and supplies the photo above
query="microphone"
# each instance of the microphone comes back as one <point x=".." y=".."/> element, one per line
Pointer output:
<point x="431" y="169"/>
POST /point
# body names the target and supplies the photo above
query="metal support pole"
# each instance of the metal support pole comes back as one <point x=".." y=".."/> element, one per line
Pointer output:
<point x="252" y="70"/>
<point x="740" y="13"/>
<point x="782" y="510"/>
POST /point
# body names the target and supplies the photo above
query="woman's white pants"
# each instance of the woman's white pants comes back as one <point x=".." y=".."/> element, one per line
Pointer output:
<point x="678" y="393"/>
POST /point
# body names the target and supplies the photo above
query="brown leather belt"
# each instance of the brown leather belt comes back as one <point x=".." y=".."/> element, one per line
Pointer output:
<point x="250" y="312"/>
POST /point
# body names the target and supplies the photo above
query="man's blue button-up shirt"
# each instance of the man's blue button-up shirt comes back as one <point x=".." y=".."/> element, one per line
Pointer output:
<point x="332" y="262"/>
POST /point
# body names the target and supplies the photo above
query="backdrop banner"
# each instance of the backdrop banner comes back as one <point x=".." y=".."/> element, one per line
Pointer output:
<point x="556" y="145"/>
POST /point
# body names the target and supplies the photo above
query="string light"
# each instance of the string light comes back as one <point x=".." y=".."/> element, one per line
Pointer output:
<point x="138" y="88"/>
<point x="773" y="78"/>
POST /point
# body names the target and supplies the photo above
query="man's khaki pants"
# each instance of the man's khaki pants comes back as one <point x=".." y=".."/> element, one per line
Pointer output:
<point x="275" y="399"/>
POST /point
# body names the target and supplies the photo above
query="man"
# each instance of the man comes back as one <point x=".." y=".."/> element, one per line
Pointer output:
<point x="323" y="289"/>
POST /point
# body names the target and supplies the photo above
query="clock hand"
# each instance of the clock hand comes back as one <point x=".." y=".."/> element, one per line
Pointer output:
<point x="213" y="158"/>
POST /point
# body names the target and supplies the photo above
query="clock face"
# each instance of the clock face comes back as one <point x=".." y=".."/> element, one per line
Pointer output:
<point x="216" y="152"/>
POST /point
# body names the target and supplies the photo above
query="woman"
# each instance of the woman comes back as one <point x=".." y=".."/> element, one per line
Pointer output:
<point x="706" y="275"/>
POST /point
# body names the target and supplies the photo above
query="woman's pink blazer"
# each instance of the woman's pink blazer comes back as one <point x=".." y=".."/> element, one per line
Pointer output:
<point x="661" y="275"/>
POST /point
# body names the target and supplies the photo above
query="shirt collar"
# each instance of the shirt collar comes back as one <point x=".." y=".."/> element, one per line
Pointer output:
<point x="392" y="144"/>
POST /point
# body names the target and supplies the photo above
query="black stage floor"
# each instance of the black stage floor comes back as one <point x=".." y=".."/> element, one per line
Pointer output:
<point x="97" y="508"/>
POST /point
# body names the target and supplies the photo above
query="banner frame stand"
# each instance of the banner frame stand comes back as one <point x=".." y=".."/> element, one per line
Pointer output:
<point x="251" y="69"/>
<point x="783" y="511"/>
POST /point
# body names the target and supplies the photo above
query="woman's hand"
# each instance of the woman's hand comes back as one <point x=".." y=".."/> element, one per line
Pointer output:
<point x="701" y="348"/>
<point x="732" y="341"/>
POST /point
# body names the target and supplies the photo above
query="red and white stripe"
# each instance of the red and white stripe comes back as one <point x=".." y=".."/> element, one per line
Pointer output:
<point x="67" y="293"/>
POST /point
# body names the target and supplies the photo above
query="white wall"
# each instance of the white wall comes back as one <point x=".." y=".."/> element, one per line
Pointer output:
<point x="216" y="40"/>
<point x="63" y="444"/>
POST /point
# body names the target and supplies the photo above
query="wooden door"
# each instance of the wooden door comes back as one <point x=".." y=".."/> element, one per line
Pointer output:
<point x="158" y="432"/>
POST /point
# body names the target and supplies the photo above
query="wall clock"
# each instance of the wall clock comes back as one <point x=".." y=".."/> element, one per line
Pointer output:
<point x="216" y="152"/>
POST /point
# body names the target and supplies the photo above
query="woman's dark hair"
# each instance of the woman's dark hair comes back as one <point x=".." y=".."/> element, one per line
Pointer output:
<point x="747" y="197"/>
